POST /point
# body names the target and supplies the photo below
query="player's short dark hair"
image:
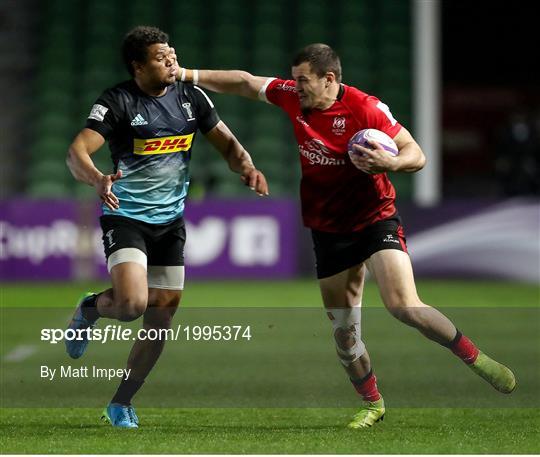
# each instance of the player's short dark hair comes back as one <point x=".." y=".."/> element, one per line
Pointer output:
<point x="322" y="59"/>
<point x="136" y="42"/>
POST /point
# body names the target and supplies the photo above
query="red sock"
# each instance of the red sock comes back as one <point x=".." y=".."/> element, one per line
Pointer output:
<point x="367" y="387"/>
<point x="464" y="348"/>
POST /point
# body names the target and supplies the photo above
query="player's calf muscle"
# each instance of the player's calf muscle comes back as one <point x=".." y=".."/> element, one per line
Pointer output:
<point x="410" y="315"/>
<point x="159" y="317"/>
<point x="124" y="307"/>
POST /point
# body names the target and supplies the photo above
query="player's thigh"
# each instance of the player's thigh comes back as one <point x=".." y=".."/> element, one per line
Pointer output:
<point x="125" y="250"/>
<point x="166" y="272"/>
<point x="129" y="283"/>
<point x="339" y="264"/>
<point x="165" y="291"/>
<point x="393" y="273"/>
<point x="344" y="289"/>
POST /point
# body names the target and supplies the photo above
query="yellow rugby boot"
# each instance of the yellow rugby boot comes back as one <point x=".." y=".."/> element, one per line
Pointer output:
<point x="373" y="411"/>
<point x="499" y="376"/>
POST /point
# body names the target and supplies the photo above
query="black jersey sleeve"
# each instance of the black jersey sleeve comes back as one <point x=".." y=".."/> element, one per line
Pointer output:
<point x="207" y="116"/>
<point x="104" y="115"/>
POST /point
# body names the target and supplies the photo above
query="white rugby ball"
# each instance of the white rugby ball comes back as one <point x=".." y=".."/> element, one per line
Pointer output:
<point x="363" y="136"/>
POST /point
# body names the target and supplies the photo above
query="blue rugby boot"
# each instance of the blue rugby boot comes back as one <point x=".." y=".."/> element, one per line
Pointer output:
<point x="76" y="347"/>
<point x="133" y="414"/>
<point x="121" y="416"/>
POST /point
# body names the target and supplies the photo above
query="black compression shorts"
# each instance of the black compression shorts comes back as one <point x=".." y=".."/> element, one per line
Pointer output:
<point x="163" y="244"/>
<point x="336" y="252"/>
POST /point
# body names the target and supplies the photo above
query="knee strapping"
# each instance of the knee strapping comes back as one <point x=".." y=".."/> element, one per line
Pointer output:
<point x="347" y="334"/>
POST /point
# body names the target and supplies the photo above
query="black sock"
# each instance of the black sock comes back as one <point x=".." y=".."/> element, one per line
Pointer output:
<point x="89" y="308"/>
<point x="359" y="382"/>
<point x="452" y="343"/>
<point x="127" y="389"/>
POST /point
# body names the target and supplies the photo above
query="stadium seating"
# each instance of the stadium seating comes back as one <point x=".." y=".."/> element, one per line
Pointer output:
<point x="79" y="57"/>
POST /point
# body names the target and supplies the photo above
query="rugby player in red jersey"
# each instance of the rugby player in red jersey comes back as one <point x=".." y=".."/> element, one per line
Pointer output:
<point x="350" y="209"/>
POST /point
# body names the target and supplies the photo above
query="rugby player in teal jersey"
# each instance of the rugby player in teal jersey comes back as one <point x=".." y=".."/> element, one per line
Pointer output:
<point x="150" y="123"/>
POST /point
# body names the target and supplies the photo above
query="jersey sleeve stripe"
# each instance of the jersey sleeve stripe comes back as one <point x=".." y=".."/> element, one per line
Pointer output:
<point x="205" y="96"/>
<point x="262" y="92"/>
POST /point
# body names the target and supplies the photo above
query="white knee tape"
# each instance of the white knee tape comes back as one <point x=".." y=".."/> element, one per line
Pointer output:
<point x="347" y="333"/>
<point x="126" y="255"/>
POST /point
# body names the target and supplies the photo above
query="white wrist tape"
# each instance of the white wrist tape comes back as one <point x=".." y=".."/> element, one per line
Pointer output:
<point x="195" y="77"/>
<point x="183" y="75"/>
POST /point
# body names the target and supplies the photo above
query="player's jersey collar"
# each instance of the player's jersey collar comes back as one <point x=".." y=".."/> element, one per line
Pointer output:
<point x="341" y="92"/>
<point x="136" y="87"/>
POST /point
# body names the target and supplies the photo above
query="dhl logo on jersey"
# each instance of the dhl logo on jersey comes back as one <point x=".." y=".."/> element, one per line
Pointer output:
<point x="163" y="145"/>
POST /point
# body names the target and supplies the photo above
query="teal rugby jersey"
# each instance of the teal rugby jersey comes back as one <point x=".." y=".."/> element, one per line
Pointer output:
<point x="150" y="139"/>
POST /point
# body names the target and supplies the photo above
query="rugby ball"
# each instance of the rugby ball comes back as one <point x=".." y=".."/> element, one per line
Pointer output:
<point x="363" y="136"/>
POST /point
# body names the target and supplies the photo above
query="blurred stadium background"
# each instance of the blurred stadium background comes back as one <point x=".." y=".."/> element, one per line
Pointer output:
<point x="460" y="75"/>
<point x="478" y="122"/>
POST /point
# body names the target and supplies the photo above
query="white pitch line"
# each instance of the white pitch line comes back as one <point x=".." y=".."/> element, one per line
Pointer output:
<point x="20" y="353"/>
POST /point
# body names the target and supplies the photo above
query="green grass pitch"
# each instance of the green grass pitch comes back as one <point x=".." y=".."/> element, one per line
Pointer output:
<point x="434" y="407"/>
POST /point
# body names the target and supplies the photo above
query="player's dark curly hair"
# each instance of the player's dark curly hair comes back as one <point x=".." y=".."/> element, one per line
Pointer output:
<point x="322" y="59"/>
<point x="136" y="42"/>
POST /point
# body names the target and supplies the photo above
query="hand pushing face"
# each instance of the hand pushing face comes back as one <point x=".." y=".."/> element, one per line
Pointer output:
<point x="160" y="68"/>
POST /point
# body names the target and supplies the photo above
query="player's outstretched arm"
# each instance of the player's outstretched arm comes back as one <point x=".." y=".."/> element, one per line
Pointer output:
<point x="83" y="169"/>
<point x="236" y="82"/>
<point x="237" y="157"/>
